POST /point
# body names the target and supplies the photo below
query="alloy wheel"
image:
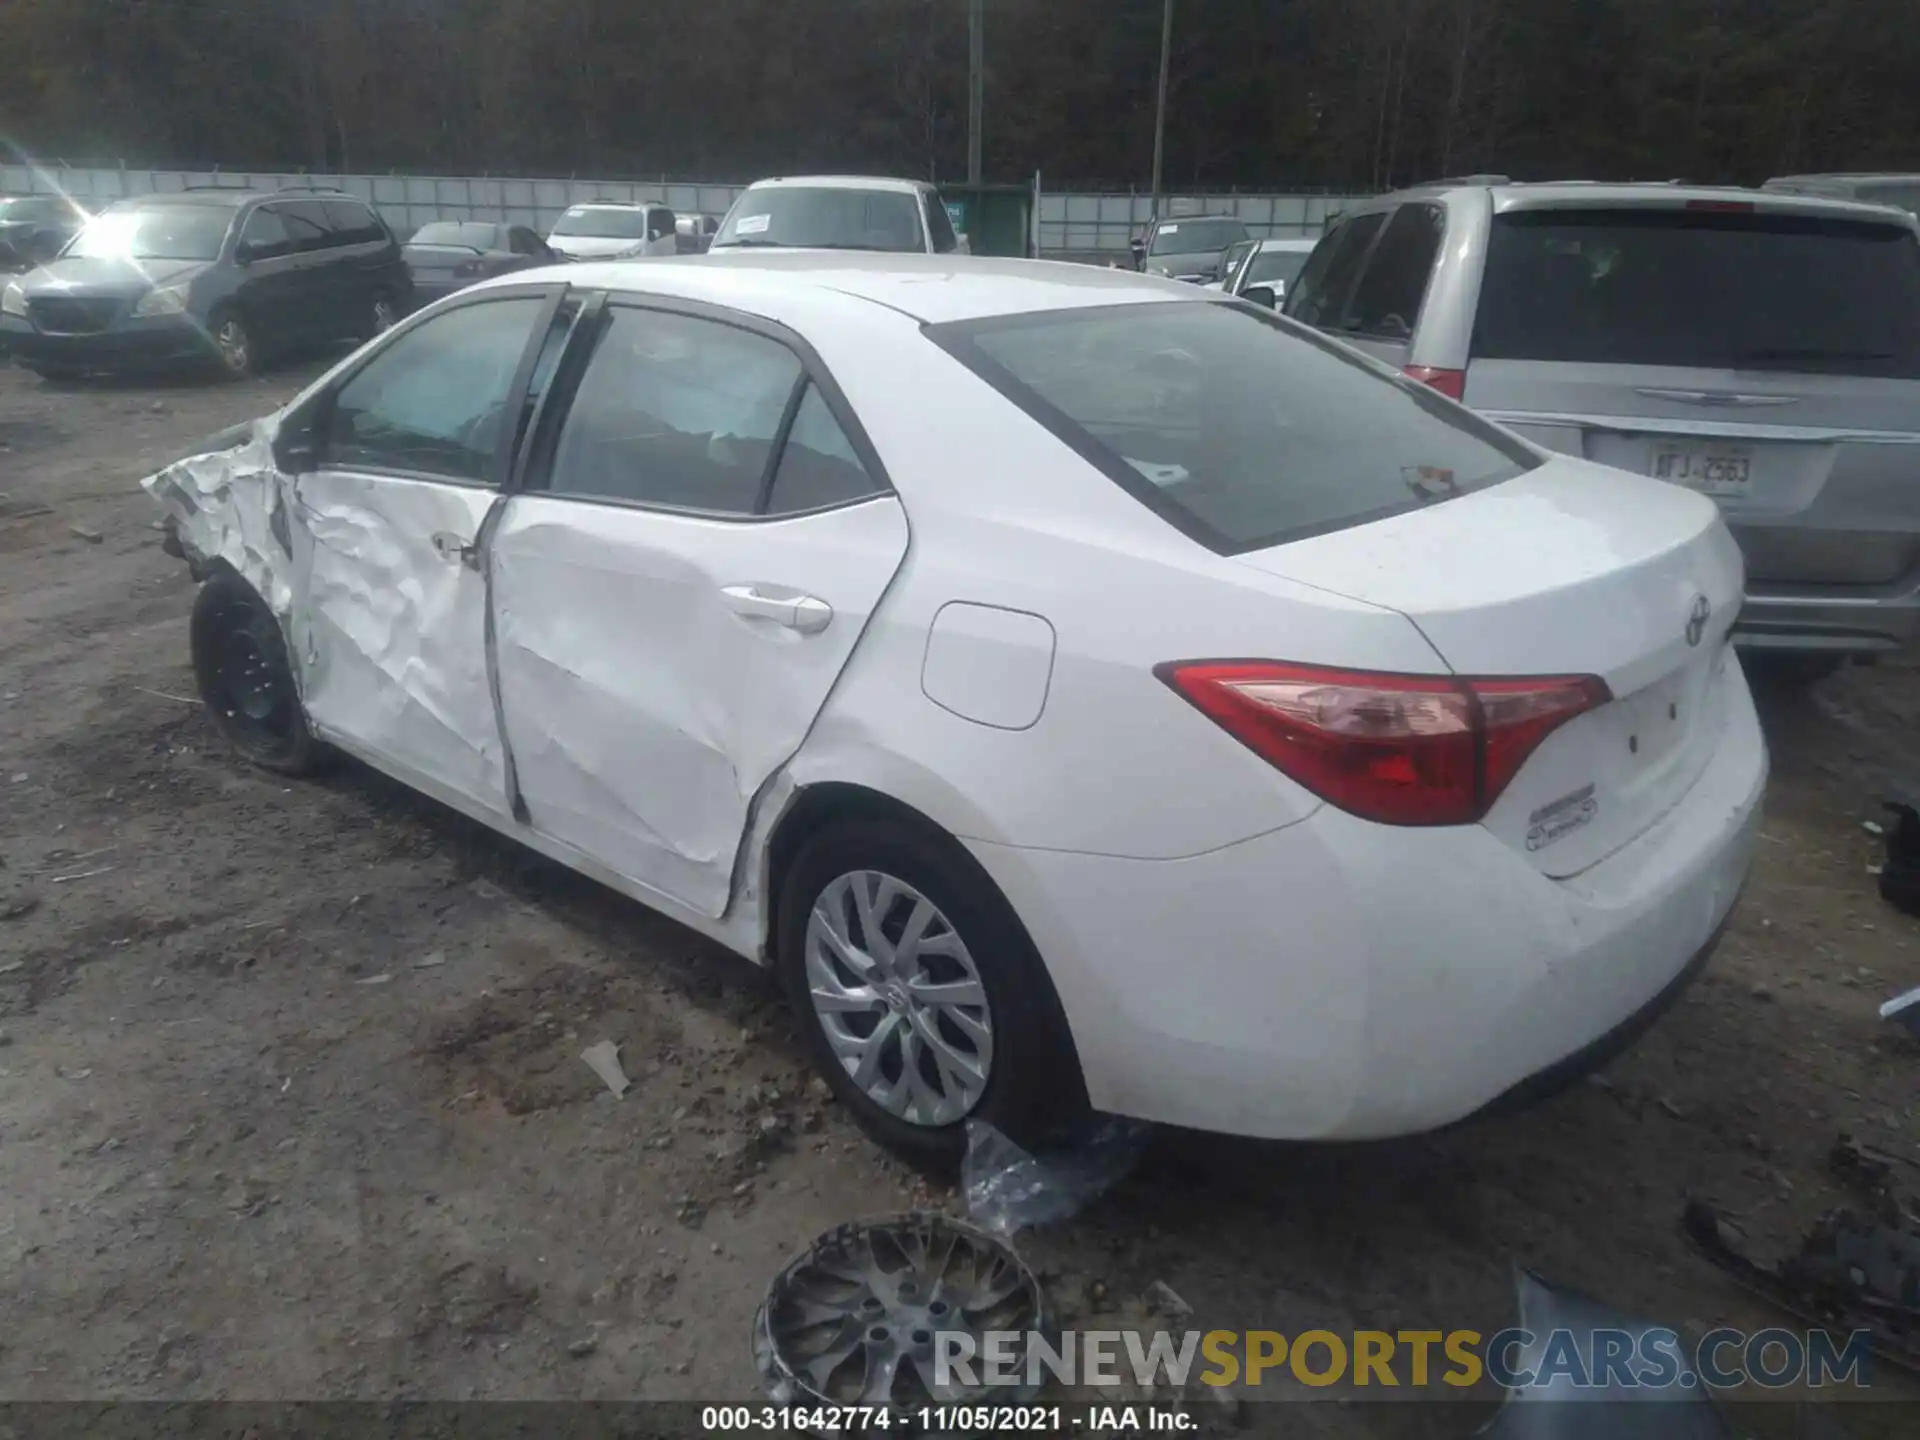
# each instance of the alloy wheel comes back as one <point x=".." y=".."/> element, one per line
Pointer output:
<point x="231" y="340"/>
<point x="899" y="998"/>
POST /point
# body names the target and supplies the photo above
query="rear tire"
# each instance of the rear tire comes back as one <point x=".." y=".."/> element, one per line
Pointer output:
<point x="1008" y="1060"/>
<point x="240" y="665"/>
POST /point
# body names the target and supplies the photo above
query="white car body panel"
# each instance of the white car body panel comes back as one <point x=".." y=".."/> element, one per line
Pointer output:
<point x="643" y="713"/>
<point x="1231" y="952"/>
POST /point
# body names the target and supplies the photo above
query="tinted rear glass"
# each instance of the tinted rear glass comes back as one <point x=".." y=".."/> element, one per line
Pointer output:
<point x="603" y="224"/>
<point x="1238" y="428"/>
<point x="1196" y="237"/>
<point x="1702" y="289"/>
<point x="470" y="233"/>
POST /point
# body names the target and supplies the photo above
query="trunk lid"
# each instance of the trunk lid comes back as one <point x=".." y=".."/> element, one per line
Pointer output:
<point x="1569" y="569"/>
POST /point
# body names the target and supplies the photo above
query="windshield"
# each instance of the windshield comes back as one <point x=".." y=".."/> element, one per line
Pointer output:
<point x="1276" y="267"/>
<point x="603" y="224"/>
<point x="825" y="218"/>
<point x="1702" y="289"/>
<point x="1196" y="237"/>
<point x="1240" y="429"/>
<point x="156" y="232"/>
<point x="468" y="233"/>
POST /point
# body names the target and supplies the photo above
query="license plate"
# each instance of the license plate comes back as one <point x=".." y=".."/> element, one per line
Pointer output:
<point x="1711" y="472"/>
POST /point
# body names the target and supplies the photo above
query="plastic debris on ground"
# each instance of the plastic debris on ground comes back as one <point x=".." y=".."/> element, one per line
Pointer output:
<point x="1857" y="1268"/>
<point x="1563" y="1409"/>
<point x="604" y="1060"/>
<point x="1009" y="1190"/>
<point x="1904" y="1010"/>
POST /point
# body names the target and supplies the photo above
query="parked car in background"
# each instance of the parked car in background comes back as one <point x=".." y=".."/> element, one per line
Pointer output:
<point x="34" y="228"/>
<point x="935" y="565"/>
<point x="610" y="230"/>
<point x="839" y="212"/>
<point x="1230" y="261"/>
<point x="1900" y="191"/>
<point x="220" y="275"/>
<point x="1264" y="273"/>
<point x="448" y="255"/>
<point x="696" y="233"/>
<point x="1188" y="248"/>
<point x="1758" y="347"/>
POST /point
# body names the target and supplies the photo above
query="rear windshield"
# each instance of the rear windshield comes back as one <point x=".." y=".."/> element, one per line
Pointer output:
<point x="591" y="224"/>
<point x="828" y="218"/>
<point x="1281" y="265"/>
<point x="1196" y="237"/>
<point x="1241" y="429"/>
<point x="1702" y="289"/>
<point x="469" y="233"/>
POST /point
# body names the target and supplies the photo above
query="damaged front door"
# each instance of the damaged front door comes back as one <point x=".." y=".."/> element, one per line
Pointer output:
<point x="678" y="591"/>
<point x="408" y="455"/>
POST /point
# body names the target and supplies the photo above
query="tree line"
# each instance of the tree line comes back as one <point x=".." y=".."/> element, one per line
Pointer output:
<point x="1280" y="94"/>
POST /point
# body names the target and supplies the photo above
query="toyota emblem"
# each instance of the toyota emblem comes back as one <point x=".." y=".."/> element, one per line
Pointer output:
<point x="1697" y="619"/>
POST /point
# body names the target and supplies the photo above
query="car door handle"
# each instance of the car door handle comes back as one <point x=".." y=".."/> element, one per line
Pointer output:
<point x="804" y="613"/>
<point x="456" y="551"/>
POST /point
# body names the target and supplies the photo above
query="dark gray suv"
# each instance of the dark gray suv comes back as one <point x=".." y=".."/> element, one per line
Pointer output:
<point x="225" y="277"/>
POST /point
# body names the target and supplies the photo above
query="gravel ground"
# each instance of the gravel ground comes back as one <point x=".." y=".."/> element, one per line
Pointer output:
<point x="291" y="1104"/>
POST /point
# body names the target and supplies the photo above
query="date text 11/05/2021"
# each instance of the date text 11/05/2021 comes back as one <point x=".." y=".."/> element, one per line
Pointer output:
<point x="948" y="1419"/>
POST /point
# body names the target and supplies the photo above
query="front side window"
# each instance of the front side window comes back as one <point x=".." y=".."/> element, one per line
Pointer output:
<point x="265" y="234"/>
<point x="824" y="218"/>
<point x="154" y="232"/>
<point x="353" y="223"/>
<point x="308" y="225"/>
<point x="1712" y="289"/>
<point x="1237" y="428"/>
<point x="940" y="227"/>
<point x="675" y="411"/>
<point x="433" y="401"/>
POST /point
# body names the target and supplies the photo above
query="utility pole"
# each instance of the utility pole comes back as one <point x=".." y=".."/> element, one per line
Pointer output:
<point x="976" y="83"/>
<point x="1160" y="107"/>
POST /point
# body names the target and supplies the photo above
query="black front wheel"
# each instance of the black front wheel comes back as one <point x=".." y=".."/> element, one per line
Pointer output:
<point x="240" y="661"/>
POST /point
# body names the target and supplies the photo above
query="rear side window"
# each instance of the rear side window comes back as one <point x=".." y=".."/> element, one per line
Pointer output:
<point x="308" y="225"/>
<point x="1702" y="289"/>
<point x="818" y="464"/>
<point x="1320" y="294"/>
<point x="677" y="412"/>
<point x="1387" y="303"/>
<point x="1237" y="428"/>
<point x="356" y="224"/>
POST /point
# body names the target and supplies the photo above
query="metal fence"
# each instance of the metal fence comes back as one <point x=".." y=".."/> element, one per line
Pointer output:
<point x="1090" y="226"/>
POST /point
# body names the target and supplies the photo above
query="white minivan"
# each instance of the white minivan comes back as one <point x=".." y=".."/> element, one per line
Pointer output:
<point x="612" y="230"/>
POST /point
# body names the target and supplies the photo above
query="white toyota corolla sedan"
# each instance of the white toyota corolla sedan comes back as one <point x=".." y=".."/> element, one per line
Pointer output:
<point x="1083" y="689"/>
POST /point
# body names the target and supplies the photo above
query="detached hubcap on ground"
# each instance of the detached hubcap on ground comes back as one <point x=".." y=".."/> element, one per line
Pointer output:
<point x="899" y="998"/>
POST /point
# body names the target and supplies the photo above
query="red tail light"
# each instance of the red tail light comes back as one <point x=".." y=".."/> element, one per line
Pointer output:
<point x="1397" y="749"/>
<point x="1450" y="383"/>
<point x="468" y="267"/>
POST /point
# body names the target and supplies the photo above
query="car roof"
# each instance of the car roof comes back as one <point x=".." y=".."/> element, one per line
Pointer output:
<point x="841" y="182"/>
<point x="616" y="205"/>
<point x="227" y="196"/>
<point x="932" y="289"/>
<point x="1511" y="195"/>
<point x="1291" y="242"/>
<point x="1864" y="177"/>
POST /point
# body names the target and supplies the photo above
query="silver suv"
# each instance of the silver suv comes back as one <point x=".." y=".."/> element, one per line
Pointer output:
<point x="1762" y="348"/>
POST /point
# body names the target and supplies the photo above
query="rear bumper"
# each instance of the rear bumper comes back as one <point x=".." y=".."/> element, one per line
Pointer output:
<point x="137" y="343"/>
<point x="1342" y="980"/>
<point x="1785" y="620"/>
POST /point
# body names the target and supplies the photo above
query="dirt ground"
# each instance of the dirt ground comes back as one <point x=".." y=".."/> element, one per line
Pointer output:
<point x="291" y="1103"/>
